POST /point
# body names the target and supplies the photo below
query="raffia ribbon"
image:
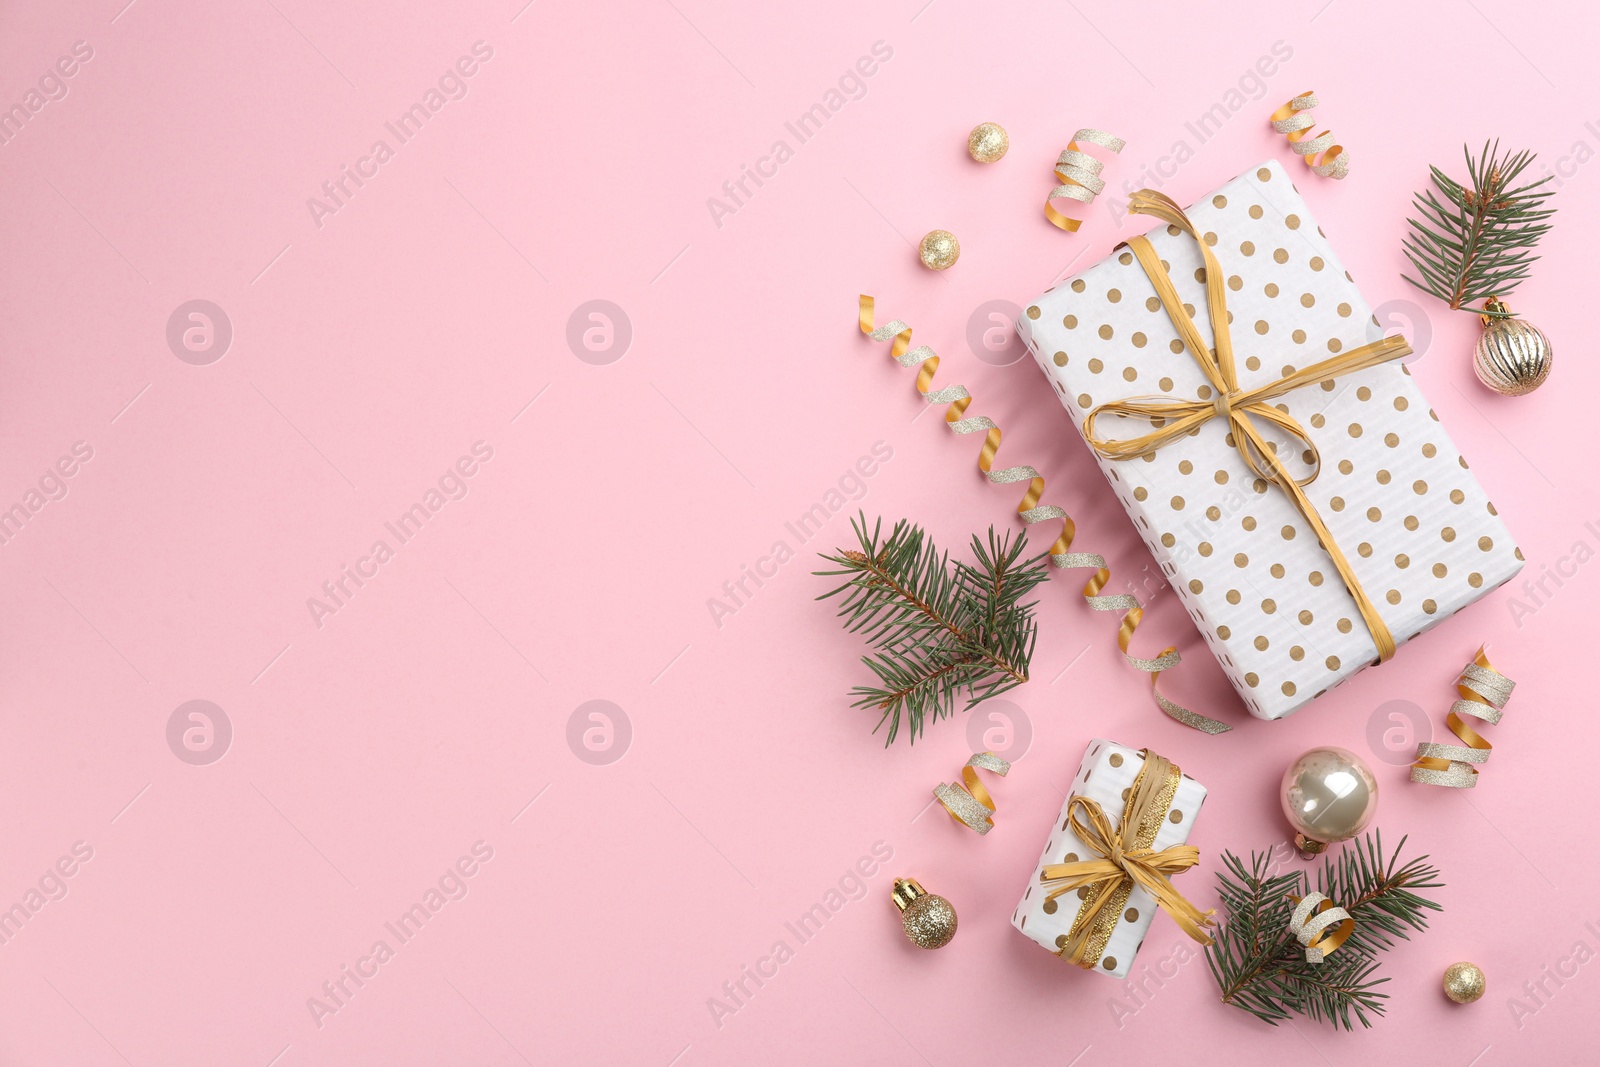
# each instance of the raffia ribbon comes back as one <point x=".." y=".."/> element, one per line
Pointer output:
<point x="1484" y="694"/>
<point x="1310" y="921"/>
<point x="1126" y="860"/>
<point x="1175" y="417"/>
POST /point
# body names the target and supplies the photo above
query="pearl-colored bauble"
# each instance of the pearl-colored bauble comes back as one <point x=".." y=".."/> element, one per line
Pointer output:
<point x="987" y="142"/>
<point x="1328" y="794"/>
<point x="939" y="250"/>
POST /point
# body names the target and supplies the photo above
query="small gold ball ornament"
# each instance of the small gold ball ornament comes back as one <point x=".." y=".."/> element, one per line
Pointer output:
<point x="939" y="250"/>
<point x="1512" y="356"/>
<point x="987" y="142"/>
<point x="1464" y="982"/>
<point x="929" y="920"/>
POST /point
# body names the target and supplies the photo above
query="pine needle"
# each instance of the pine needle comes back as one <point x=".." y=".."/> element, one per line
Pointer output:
<point x="1475" y="241"/>
<point x="1262" y="969"/>
<point x="940" y="631"/>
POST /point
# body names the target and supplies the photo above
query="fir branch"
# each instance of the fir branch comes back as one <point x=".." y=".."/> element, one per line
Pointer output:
<point x="939" y="631"/>
<point x="1477" y="241"/>
<point x="1381" y="896"/>
<point x="1261" y="968"/>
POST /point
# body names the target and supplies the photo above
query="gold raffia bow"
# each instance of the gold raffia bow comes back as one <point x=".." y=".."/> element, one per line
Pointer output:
<point x="973" y="805"/>
<point x="1310" y="921"/>
<point x="1484" y="693"/>
<point x="1320" y="153"/>
<point x="1079" y="175"/>
<point x="1126" y="860"/>
<point x="1174" y="417"/>
<point x="1030" y="508"/>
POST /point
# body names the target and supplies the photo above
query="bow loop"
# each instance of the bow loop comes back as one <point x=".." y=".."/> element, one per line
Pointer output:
<point x="1175" y="417"/>
<point x="1124" y="859"/>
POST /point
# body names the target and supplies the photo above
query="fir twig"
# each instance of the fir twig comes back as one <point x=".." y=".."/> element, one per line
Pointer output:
<point x="1476" y="241"/>
<point x="1261" y="968"/>
<point x="938" y="630"/>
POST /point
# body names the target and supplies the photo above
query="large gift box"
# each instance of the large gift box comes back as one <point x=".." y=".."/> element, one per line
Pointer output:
<point x="1323" y="428"/>
<point x="1106" y="934"/>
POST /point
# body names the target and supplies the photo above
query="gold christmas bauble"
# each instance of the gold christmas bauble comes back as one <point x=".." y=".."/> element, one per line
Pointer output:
<point x="939" y="250"/>
<point x="1464" y="982"/>
<point x="928" y="919"/>
<point x="987" y="142"/>
<point x="1512" y="356"/>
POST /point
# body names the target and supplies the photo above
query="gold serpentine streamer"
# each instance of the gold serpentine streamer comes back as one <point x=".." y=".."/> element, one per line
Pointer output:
<point x="1031" y="511"/>
<point x="973" y="805"/>
<point x="1484" y="693"/>
<point x="1124" y="859"/>
<point x="1320" y="153"/>
<point x="1309" y="922"/>
<point x="1079" y="175"/>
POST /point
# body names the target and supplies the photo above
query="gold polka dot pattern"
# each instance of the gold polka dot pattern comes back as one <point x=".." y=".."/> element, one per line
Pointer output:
<point x="1392" y="486"/>
<point x="1101" y="780"/>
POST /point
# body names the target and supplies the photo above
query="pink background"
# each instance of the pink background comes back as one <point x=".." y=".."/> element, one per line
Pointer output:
<point x="433" y="710"/>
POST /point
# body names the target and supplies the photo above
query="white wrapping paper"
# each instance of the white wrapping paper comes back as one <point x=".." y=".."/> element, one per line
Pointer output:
<point x="1108" y="769"/>
<point x="1418" y="530"/>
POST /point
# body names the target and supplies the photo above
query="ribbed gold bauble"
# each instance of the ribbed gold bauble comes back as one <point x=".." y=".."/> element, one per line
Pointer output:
<point x="1513" y="356"/>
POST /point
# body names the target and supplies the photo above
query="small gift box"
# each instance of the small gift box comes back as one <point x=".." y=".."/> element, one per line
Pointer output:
<point x="1285" y="470"/>
<point x="1108" y="862"/>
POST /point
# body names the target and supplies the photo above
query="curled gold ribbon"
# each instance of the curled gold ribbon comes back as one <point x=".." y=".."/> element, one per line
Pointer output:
<point x="1126" y="860"/>
<point x="1484" y="693"/>
<point x="1031" y="511"/>
<point x="1173" y="417"/>
<point x="1320" y="153"/>
<point x="973" y="805"/>
<point x="1079" y="175"/>
<point x="1310" y="921"/>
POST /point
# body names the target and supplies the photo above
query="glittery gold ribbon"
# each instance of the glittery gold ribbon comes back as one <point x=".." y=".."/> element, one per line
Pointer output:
<point x="1126" y="859"/>
<point x="1174" y="417"/>
<point x="1484" y="693"/>
<point x="973" y="805"/>
<point x="1310" y="921"/>
<point x="1079" y="175"/>
<point x="1320" y="153"/>
<point x="1031" y="511"/>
